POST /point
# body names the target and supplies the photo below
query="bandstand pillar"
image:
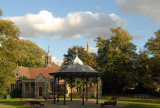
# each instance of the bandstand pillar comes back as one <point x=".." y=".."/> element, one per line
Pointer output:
<point x="58" y="90"/>
<point x="71" y="88"/>
<point x="97" y="90"/>
<point x="54" y="90"/>
<point x="64" y="90"/>
<point x="83" y="93"/>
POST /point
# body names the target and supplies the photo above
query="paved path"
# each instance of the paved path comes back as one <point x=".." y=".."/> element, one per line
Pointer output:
<point x="75" y="104"/>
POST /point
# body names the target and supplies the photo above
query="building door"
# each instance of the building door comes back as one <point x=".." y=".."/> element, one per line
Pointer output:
<point x="40" y="91"/>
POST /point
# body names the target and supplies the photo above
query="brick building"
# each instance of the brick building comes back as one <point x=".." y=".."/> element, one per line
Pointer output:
<point x="35" y="81"/>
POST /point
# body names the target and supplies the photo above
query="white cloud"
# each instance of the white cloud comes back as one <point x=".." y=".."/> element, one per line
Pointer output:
<point x="72" y="26"/>
<point x="148" y="8"/>
<point x="57" y="61"/>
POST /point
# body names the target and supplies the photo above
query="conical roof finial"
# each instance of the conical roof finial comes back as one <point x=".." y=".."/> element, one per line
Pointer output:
<point x="77" y="60"/>
<point x="48" y="48"/>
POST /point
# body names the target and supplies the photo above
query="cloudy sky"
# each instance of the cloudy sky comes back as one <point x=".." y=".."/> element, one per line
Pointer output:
<point x="64" y="23"/>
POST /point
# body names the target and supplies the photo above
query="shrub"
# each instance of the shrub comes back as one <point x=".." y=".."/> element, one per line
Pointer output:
<point x="3" y="93"/>
<point x="16" y="93"/>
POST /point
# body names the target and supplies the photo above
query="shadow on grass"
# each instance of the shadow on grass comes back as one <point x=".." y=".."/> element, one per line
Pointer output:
<point x="13" y="104"/>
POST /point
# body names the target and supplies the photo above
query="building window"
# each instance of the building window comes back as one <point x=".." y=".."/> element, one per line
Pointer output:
<point x="20" y="87"/>
<point x="27" y="86"/>
<point x="12" y="87"/>
<point x="16" y="85"/>
<point x="32" y="87"/>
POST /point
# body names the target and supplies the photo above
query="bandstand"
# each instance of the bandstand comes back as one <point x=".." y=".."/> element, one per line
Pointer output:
<point x="75" y="70"/>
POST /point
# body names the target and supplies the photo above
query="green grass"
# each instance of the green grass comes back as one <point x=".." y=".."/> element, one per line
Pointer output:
<point x="13" y="104"/>
<point x="121" y="97"/>
<point x="16" y="102"/>
<point x="19" y="99"/>
<point x="137" y="102"/>
<point x="142" y="103"/>
<point x="131" y="101"/>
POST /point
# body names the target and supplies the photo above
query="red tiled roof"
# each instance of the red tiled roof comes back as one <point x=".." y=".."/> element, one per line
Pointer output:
<point x="25" y="71"/>
<point x="32" y="72"/>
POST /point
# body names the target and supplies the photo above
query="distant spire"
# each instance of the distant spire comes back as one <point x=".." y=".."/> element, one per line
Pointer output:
<point x="48" y="58"/>
<point x="88" y="47"/>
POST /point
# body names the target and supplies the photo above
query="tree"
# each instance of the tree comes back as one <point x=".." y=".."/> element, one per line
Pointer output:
<point x="153" y="49"/>
<point x="153" y="45"/>
<point x="31" y="55"/>
<point x="71" y="54"/>
<point x="9" y="35"/>
<point x="82" y="54"/>
<point x="155" y="68"/>
<point x="115" y="58"/>
<point x="145" y="79"/>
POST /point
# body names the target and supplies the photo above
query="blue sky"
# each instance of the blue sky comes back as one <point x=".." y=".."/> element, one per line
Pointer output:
<point x="64" y="23"/>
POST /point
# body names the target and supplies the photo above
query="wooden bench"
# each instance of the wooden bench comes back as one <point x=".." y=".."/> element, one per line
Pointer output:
<point x="111" y="101"/>
<point x="36" y="102"/>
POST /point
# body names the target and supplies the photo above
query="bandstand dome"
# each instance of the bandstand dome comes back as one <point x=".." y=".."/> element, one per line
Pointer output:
<point x="76" y="69"/>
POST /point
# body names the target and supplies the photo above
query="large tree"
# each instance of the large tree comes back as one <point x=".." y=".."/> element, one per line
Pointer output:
<point x="9" y="35"/>
<point x="144" y="79"/>
<point x="153" y="48"/>
<point x="31" y="55"/>
<point x="115" y="59"/>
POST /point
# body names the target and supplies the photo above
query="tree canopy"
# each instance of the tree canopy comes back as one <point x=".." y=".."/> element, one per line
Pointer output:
<point x="153" y="49"/>
<point x="153" y="45"/>
<point x="9" y="36"/>
<point x="31" y="55"/>
<point x="115" y="58"/>
<point x="144" y="79"/>
<point x="82" y="54"/>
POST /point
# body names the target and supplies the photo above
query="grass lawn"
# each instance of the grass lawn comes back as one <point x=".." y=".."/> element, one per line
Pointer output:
<point x="142" y="103"/>
<point x="13" y="104"/>
<point x="133" y="102"/>
<point x="137" y="102"/>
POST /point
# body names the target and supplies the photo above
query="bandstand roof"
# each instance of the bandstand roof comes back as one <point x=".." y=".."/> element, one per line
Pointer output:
<point x="76" y="69"/>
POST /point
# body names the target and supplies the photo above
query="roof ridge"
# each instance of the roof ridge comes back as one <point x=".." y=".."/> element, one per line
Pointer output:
<point x="82" y="68"/>
<point x="32" y="72"/>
